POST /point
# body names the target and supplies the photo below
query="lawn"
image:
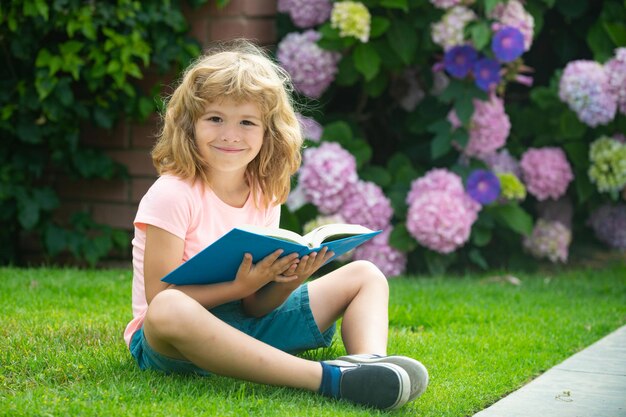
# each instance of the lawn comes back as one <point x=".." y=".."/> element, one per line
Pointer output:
<point x="62" y="353"/>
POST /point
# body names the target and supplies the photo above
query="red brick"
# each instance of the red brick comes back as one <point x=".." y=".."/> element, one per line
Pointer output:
<point x="98" y="190"/>
<point x="64" y="212"/>
<point x="262" y="31"/>
<point x="103" y="138"/>
<point x="120" y="216"/>
<point x="260" y="8"/>
<point x="199" y="30"/>
<point x="143" y="135"/>
<point x="138" y="162"/>
<point x="139" y="186"/>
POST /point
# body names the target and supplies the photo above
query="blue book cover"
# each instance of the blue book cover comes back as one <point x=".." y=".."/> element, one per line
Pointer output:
<point x="220" y="261"/>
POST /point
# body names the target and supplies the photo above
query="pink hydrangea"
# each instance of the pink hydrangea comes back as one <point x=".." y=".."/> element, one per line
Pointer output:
<point x="437" y="179"/>
<point x="306" y="13"/>
<point x="326" y="174"/>
<point x="546" y="172"/>
<point x="312" y="68"/>
<point x="389" y="260"/>
<point x="440" y="214"/>
<point x="367" y="205"/>
<point x="615" y="70"/>
<point x="310" y="128"/>
<point x="445" y="4"/>
<point x="549" y="239"/>
<point x="584" y="87"/>
<point x="489" y="127"/>
<point x="502" y="162"/>
<point x="512" y="13"/>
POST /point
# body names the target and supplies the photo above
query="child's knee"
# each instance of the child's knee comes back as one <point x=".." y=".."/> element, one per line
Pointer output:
<point x="370" y="275"/>
<point x="168" y="311"/>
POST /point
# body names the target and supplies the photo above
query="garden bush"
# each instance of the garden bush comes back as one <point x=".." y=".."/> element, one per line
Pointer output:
<point x="484" y="133"/>
<point x="67" y="64"/>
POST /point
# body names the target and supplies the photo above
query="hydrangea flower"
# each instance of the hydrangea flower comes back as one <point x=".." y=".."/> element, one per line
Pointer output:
<point x="449" y="31"/>
<point x="584" y="87"/>
<point x="310" y="128"/>
<point x="438" y="179"/>
<point x="296" y="198"/>
<point x="352" y="19"/>
<point x="489" y="127"/>
<point x="615" y="70"/>
<point x="549" y="239"/>
<point x="487" y="74"/>
<point x="321" y="221"/>
<point x="326" y="175"/>
<point x="512" y="188"/>
<point x="608" y="164"/>
<point x="507" y="44"/>
<point x="459" y="60"/>
<point x="389" y="260"/>
<point x="512" y="13"/>
<point x="445" y="4"/>
<point x="546" y="172"/>
<point x="312" y="69"/>
<point x="502" y="162"/>
<point x="609" y="225"/>
<point x="306" y="13"/>
<point x="483" y="186"/>
<point x="367" y="205"/>
<point x="440" y="214"/>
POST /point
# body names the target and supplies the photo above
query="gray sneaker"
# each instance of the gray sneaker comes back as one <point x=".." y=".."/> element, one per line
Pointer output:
<point x="381" y="385"/>
<point x="417" y="372"/>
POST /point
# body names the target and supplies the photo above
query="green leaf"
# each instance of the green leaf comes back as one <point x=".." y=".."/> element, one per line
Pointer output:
<point x="403" y="40"/>
<point x="512" y="216"/>
<point x="55" y="239"/>
<point x="480" y="34"/>
<point x="481" y="236"/>
<point x="328" y="32"/>
<point x="395" y="4"/>
<point x="375" y="174"/>
<point x="438" y="263"/>
<point x="464" y="108"/>
<point x="347" y="74"/>
<point x="477" y="258"/>
<point x="599" y="42"/>
<point x="376" y="87"/>
<point x="379" y="26"/>
<point x="400" y="238"/>
<point x="440" y="145"/>
<point x="570" y="126"/>
<point x="337" y="132"/>
<point x="27" y="211"/>
<point x="490" y="4"/>
<point x="366" y="61"/>
<point x="617" y="32"/>
<point x="360" y="149"/>
<point x="584" y="187"/>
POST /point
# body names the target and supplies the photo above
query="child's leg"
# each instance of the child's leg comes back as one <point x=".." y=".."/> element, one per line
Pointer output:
<point x="359" y="292"/>
<point x="178" y="327"/>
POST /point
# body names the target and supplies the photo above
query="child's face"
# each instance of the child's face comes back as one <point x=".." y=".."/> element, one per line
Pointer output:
<point x="229" y="135"/>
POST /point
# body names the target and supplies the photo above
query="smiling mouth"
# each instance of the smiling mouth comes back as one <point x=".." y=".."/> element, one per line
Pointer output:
<point x="228" y="150"/>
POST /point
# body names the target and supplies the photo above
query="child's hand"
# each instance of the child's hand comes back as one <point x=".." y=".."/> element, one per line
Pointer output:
<point x="251" y="276"/>
<point x="300" y="272"/>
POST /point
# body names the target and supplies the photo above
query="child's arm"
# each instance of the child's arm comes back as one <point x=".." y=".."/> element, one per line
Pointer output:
<point x="275" y="293"/>
<point x="164" y="251"/>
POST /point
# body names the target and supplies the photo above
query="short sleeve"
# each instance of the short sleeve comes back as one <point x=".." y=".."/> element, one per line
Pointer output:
<point x="167" y="205"/>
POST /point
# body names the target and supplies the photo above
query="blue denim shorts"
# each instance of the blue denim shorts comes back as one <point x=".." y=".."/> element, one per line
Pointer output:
<point x="290" y="328"/>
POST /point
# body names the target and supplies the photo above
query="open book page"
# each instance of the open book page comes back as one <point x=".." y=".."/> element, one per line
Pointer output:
<point x="283" y="234"/>
<point x="314" y="238"/>
<point x="335" y="231"/>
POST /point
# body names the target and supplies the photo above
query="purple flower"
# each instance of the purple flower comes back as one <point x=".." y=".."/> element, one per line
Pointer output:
<point x="327" y="173"/>
<point x="306" y="13"/>
<point x="483" y="186"/>
<point x="508" y="44"/>
<point x="487" y="73"/>
<point x="389" y="260"/>
<point x="366" y="204"/>
<point x="609" y="225"/>
<point x="459" y="60"/>
<point x="312" y="69"/>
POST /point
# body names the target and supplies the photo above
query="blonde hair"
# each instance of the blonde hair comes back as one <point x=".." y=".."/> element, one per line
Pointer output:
<point x="241" y="71"/>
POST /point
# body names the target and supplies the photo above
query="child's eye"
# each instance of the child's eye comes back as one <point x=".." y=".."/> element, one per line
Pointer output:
<point x="248" y="123"/>
<point x="214" y="119"/>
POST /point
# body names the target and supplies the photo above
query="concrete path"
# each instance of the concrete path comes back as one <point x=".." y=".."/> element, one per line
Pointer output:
<point x="592" y="383"/>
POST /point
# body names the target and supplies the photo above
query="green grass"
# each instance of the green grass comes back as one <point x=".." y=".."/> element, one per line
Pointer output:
<point x="62" y="353"/>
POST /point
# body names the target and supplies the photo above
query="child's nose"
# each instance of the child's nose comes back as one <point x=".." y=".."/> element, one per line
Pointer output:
<point x="230" y="134"/>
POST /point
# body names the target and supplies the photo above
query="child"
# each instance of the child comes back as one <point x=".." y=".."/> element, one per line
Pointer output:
<point x="229" y="145"/>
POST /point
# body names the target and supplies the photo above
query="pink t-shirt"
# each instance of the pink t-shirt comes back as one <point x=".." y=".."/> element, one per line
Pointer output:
<point x="191" y="211"/>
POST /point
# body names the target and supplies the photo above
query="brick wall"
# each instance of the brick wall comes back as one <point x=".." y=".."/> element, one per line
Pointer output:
<point x="115" y="202"/>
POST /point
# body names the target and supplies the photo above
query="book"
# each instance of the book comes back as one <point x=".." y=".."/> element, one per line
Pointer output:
<point x="220" y="261"/>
